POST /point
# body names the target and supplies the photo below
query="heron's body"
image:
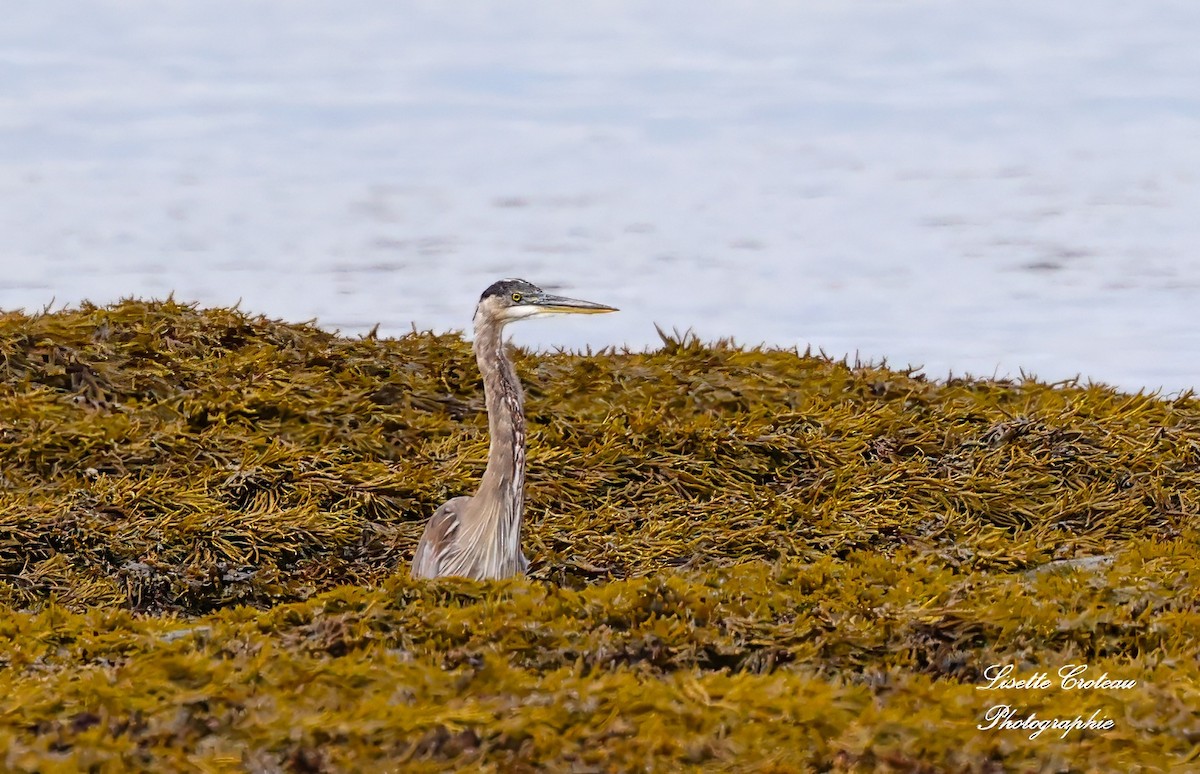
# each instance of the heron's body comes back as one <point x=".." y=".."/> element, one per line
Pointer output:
<point x="480" y="536"/>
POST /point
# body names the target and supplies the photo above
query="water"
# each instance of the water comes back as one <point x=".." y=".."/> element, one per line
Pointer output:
<point x="981" y="188"/>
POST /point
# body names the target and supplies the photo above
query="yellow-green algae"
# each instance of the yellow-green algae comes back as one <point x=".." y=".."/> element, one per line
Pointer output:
<point x="748" y="560"/>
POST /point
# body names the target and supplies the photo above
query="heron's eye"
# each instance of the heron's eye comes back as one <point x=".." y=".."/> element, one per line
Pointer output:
<point x="516" y="296"/>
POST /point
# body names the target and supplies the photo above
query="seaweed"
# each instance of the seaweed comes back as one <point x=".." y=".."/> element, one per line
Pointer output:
<point x="743" y="559"/>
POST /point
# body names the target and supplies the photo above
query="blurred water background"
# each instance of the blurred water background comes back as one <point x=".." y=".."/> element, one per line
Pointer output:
<point x="977" y="187"/>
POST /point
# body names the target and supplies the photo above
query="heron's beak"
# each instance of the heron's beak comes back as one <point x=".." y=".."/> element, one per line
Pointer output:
<point x="550" y="304"/>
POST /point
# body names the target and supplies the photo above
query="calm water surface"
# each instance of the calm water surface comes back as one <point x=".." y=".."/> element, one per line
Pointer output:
<point x="983" y="187"/>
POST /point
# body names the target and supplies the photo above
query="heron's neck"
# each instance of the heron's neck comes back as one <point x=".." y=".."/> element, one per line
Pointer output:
<point x="504" y="479"/>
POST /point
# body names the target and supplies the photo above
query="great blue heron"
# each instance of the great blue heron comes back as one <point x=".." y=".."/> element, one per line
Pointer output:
<point x="480" y="536"/>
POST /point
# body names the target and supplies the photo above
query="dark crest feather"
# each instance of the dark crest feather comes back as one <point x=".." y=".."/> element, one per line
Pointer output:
<point x="507" y="287"/>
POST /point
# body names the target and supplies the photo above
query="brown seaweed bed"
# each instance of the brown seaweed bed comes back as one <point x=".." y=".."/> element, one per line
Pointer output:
<point x="743" y="559"/>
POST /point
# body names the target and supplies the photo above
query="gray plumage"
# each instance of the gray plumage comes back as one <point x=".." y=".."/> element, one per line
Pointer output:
<point x="480" y="536"/>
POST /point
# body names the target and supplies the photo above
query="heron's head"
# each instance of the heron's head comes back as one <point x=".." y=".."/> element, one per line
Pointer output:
<point x="516" y="299"/>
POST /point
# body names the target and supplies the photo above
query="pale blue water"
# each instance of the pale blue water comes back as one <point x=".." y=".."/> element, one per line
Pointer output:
<point x="981" y="187"/>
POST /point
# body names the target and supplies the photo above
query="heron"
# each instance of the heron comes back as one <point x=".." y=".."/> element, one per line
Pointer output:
<point x="480" y="536"/>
